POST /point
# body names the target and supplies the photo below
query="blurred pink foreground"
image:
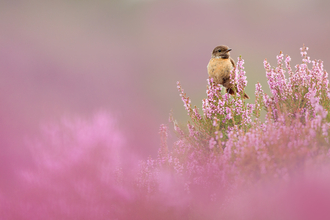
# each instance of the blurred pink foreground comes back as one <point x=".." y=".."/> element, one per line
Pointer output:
<point x="82" y="172"/>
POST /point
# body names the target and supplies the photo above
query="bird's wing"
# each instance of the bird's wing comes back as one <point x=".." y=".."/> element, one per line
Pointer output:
<point x="232" y="62"/>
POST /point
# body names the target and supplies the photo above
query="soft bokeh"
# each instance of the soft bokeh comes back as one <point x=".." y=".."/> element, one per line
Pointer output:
<point x="71" y="59"/>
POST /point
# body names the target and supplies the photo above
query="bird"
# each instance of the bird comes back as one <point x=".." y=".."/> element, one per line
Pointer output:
<point x="220" y="66"/>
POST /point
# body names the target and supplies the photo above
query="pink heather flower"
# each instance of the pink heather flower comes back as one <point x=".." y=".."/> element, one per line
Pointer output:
<point x="267" y="101"/>
<point x="325" y="128"/>
<point x="220" y="108"/>
<point x="163" y="150"/>
<point x="303" y="53"/>
<point x="259" y="99"/>
<point x="177" y="128"/>
<point x="246" y="116"/>
<point x="185" y="99"/>
<point x="198" y="116"/>
<point x="163" y="131"/>
<point x="205" y="107"/>
<point x="280" y="59"/>
<point x="228" y="113"/>
<point x="212" y="143"/>
<point x="258" y="91"/>
<point x="290" y="72"/>
<point x="311" y="96"/>
<point x="281" y="80"/>
<point x="238" y="76"/>
<point x="314" y="102"/>
<point x="312" y="132"/>
<point x="192" y="131"/>
<point x="271" y="79"/>
<point x="225" y="97"/>
<point x="239" y="105"/>
<point x="215" y="121"/>
<point x="276" y="79"/>
<point x="321" y="111"/>
<point x="216" y="135"/>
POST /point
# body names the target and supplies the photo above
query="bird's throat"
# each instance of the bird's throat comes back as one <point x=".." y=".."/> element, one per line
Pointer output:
<point x="226" y="56"/>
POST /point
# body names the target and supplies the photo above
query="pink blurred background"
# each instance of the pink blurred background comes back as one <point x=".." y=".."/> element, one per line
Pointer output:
<point x="74" y="58"/>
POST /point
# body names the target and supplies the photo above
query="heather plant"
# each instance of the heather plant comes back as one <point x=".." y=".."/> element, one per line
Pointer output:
<point x="229" y="145"/>
<point x="302" y="94"/>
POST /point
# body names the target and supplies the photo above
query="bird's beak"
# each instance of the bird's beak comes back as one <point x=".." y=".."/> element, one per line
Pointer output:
<point x="228" y="50"/>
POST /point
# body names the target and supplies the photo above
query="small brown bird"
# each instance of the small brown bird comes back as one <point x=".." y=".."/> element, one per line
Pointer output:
<point x="220" y="66"/>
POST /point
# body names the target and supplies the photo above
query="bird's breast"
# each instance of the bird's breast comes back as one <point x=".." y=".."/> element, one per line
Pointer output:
<point x="219" y="69"/>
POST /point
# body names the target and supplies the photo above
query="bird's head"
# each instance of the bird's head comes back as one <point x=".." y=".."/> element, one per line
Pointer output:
<point x="221" y="52"/>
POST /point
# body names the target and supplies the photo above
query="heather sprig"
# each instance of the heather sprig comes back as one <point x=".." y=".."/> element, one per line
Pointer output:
<point x="231" y="138"/>
<point x="293" y="95"/>
<point x="238" y="76"/>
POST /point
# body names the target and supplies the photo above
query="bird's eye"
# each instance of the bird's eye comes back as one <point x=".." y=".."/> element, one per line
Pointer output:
<point x="219" y="51"/>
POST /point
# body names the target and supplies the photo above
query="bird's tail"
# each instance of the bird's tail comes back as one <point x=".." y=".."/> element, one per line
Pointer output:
<point x="232" y="92"/>
<point x="246" y="96"/>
